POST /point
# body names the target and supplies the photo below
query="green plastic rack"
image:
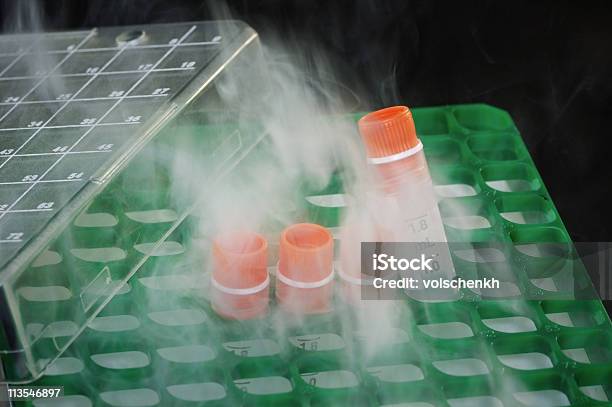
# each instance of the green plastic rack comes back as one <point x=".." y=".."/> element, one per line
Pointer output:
<point x="158" y="342"/>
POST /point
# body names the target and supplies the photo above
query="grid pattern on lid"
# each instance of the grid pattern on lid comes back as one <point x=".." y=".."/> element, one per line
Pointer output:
<point x="69" y="103"/>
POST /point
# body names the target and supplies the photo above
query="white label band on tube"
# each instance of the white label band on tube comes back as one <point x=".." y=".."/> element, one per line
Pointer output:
<point x="240" y="291"/>
<point x="302" y="284"/>
<point x="354" y="280"/>
<point x="396" y="157"/>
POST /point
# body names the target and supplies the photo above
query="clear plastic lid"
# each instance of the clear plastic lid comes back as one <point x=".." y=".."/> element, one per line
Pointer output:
<point x="88" y="121"/>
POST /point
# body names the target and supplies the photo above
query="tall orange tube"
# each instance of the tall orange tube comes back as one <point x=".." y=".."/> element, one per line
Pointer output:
<point x="405" y="195"/>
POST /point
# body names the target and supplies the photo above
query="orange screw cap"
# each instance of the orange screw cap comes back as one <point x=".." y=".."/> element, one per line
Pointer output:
<point x="388" y="131"/>
<point x="240" y="281"/>
<point x="305" y="269"/>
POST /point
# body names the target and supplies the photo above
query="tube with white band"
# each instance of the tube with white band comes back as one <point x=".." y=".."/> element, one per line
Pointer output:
<point x="305" y="273"/>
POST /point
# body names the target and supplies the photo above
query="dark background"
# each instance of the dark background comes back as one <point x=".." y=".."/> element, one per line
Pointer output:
<point x="548" y="63"/>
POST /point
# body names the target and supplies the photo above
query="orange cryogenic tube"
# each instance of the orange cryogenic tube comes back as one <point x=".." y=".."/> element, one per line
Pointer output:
<point x="392" y="145"/>
<point x="304" y="281"/>
<point x="407" y="201"/>
<point x="240" y="281"/>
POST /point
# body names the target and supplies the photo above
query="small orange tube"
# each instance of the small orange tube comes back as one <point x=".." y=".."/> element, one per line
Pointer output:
<point x="240" y="281"/>
<point x="354" y="285"/>
<point x="304" y="281"/>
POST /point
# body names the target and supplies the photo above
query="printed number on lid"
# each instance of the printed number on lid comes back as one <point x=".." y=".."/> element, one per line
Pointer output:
<point x="15" y="236"/>
<point x="29" y="178"/>
<point x="161" y="91"/>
